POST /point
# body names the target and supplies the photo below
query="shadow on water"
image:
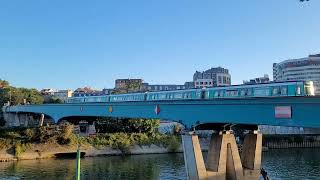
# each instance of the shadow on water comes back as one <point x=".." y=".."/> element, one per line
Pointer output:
<point x="293" y="164"/>
<point x="71" y="155"/>
<point x="157" y="166"/>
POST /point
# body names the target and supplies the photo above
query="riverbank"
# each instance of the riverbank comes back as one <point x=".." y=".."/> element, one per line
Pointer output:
<point x="50" y="142"/>
<point x="43" y="151"/>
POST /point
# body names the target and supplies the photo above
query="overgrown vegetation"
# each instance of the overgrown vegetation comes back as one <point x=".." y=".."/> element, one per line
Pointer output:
<point x="18" y="95"/>
<point x="122" y="134"/>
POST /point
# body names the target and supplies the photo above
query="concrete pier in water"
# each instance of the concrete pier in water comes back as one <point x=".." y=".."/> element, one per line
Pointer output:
<point x="223" y="161"/>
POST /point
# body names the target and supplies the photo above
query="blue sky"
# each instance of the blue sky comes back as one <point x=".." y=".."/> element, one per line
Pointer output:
<point x="68" y="44"/>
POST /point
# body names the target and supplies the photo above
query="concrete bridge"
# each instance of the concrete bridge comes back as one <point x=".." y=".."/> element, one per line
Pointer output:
<point x="224" y="161"/>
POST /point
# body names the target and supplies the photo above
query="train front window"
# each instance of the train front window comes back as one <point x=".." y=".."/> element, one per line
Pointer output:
<point x="309" y="88"/>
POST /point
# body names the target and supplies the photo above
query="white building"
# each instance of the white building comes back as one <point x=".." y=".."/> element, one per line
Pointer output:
<point x="63" y="94"/>
<point x="303" y="69"/>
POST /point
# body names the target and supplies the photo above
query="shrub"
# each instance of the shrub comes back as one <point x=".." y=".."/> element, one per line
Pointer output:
<point x="30" y="134"/>
<point x="66" y="131"/>
<point x="120" y="141"/>
<point x="140" y="139"/>
<point x="20" y="148"/>
<point x="173" y="144"/>
<point x="46" y="135"/>
<point x="4" y="143"/>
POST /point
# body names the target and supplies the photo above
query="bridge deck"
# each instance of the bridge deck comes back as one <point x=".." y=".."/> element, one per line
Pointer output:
<point x="283" y="111"/>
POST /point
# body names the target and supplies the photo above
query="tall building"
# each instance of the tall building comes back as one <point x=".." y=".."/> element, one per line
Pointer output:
<point x="302" y="69"/>
<point x="258" y="80"/>
<point x="212" y="77"/>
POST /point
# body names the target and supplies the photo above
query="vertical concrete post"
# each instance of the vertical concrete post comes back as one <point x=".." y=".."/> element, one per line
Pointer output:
<point x="251" y="155"/>
<point x="223" y="160"/>
<point x="41" y="120"/>
<point x="193" y="158"/>
<point x="16" y="121"/>
<point x="6" y="118"/>
<point x="26" y="122"/>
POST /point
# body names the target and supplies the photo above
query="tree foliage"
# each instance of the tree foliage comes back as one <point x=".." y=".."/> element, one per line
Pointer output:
<point x="18" y="95"/>
<point x="3" y="83"/>
<point x="131" y="86"/>
<point x="115" y="125"/>
<point x="52" y="100"/>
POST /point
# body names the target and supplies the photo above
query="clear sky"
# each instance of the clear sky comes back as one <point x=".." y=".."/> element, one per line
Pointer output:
<point x="65" y="44"/>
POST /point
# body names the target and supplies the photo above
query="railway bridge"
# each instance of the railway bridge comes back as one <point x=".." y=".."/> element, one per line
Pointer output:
<point x="223" y="161"/>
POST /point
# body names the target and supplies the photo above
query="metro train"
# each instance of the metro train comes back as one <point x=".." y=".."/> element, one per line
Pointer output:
<point x="274" y="89"/>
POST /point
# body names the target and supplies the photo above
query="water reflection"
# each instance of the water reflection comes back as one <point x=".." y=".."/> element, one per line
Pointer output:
<point x="280" y="164"/>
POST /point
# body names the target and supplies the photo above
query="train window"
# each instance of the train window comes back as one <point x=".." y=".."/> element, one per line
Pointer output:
<point x="243" y="92"/>
<point x="221" y="94"/>
<point x="216" y="93"/>
<point x="275" y="91"/>
<point x="298" y="90"/>
<point x="284" y="90"/>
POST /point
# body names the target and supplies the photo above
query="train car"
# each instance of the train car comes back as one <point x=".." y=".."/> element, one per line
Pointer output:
<point x="277" y="89"/>
<point x="175" y="95"/>
<point x="127" y="97"/>
<point x="96" y="99"/>
<point x="75" y="100"/>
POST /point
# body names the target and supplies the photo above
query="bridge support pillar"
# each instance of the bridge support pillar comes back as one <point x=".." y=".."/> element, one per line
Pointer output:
<point x="223" y="160"/>
<point x="251" y="155"/>
<point x="193" y="158"/>
<point x="16" y="121"/>
<point x="41" y="120"/>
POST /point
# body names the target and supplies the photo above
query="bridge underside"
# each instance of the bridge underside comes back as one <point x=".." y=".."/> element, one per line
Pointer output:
<point x="293" y="112"/>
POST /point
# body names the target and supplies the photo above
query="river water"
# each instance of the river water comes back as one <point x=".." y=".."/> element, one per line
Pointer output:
<point x="280" y="164"/>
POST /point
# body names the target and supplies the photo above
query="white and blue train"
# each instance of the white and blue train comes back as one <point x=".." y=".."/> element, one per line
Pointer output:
<point x="275" y="89"/>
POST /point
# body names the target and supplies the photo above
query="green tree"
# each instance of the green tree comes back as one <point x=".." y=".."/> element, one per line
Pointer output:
<point x="18" y="95"/>
<point x="144" y="125"/>
<point x="132" y="86"/>
<point x="52" y="100"/>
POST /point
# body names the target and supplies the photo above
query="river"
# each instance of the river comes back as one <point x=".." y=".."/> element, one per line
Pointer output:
<point x="280" y="164"/>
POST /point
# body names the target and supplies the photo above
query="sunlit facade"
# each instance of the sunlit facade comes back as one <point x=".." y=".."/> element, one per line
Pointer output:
<point x="303" y="69"/>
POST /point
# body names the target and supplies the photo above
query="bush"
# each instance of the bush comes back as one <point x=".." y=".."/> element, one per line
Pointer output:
<point x="46" y="135"/>
<point x="140" y="139"/>
<point x="13" y="135"/>
<point x="5" y="143"/>
<point x="66" y="133"/>
<point x="120" y="141"/>
<point x="173" y="144"/>
<point x="30" y="134"/>
<point x="20" y="148"/>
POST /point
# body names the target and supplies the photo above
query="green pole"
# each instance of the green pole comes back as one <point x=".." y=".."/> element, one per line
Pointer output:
<point x="78" y="164"/>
